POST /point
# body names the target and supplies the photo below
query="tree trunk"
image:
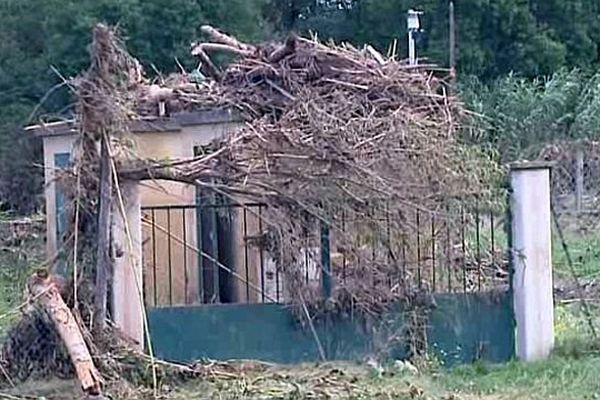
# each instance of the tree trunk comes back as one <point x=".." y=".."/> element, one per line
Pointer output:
<point x="103" y="250"/>
<point x="45" y="293"/>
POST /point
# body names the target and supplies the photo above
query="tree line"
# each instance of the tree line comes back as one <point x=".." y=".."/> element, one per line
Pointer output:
<point x="505" y="47"/>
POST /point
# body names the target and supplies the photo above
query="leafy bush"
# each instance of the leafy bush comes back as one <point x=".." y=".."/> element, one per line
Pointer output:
<point x="518" y="116"/>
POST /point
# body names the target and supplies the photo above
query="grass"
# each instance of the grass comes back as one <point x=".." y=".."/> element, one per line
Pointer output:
<point x="585" y="255"/>
<point x="21" y="249"/>
<point x="572" y="373"/>
<point x="557" y="378"/>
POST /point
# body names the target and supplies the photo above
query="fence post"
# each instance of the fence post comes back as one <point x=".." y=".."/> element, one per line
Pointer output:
<point x="325" y="260"/>
<point x="531" y="259"/>
<point x="579" y="179"/>
<point x="127" y="278"/>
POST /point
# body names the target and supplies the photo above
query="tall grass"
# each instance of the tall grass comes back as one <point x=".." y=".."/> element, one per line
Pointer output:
<point x="517" y="116"/>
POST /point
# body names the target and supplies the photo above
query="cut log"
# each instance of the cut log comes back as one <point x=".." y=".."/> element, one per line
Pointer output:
<point x="220" y="37"/>
<point x="375" y="54"/>
<point x="197" y="47"/>
<point x="45" y="294"/>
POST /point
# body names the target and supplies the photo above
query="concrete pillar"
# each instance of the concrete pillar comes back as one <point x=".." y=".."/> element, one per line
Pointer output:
<point x="127" y="296"/>
<point x="531" y="259"/>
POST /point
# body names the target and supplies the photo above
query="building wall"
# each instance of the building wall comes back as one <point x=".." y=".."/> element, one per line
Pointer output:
<point x="175" y="282"/>
<point x="53" y="146"/>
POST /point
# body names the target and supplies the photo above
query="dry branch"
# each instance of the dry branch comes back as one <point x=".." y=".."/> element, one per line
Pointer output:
<point x="332" y="131"/>
<point x="204" y="47"/>
<point x="207" y="65"/>
<point x="103" y="259"/>
<point x="221" y="37"/>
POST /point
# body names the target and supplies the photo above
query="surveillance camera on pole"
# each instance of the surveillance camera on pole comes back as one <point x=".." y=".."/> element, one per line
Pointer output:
<point x="414" y="26"/>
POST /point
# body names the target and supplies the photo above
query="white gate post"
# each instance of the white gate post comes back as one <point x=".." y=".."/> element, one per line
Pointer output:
<point x="532" y="260"/>
<point x="127" y="295"/>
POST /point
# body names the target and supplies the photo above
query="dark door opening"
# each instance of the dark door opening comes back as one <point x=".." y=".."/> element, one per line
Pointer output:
<point x="215" y="240"/>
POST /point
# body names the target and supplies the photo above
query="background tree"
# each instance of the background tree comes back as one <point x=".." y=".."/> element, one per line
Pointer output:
<point x="39" y="37"/>
<point x="529" y="39"/>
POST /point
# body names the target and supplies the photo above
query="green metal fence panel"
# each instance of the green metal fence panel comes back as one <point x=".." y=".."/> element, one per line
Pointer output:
<point x="460" y="328"/>
<point x="467" y="327"/>
<point x="234" y="331"/>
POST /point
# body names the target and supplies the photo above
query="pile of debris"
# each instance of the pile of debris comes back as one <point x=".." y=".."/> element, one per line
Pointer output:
<point x="333" y="133"/>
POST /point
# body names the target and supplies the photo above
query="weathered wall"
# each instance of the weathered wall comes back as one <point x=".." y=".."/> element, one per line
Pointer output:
<point x="53" y="146"/>
<point x="176" y="282"/>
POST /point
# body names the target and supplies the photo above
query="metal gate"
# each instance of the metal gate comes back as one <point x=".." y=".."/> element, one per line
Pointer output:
<point x="213" y="289"/>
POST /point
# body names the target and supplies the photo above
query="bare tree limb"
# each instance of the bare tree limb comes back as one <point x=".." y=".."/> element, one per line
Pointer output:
<point x="103" y="259"/>
<point x="207" y="65"/>
<point x="221" y="37"/>
<point x="196" y="48"/>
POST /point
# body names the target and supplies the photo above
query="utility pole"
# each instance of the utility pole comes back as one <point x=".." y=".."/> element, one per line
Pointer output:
<point x="414" y="25"/>
<point x="452" y="43"/>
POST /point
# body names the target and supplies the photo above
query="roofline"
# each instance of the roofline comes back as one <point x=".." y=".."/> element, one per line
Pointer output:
<point x="173" y="123"/>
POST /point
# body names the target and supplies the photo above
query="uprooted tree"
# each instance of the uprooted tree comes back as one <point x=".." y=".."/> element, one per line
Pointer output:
<point x="330" y="132"/>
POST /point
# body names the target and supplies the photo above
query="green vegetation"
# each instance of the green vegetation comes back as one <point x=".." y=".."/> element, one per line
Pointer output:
<point x="520" y="116"/>
<point x="21" y="250"/>
<point x="44" y="41"/>
<point x="532" y="38"/>
<point x="585" y="255"/>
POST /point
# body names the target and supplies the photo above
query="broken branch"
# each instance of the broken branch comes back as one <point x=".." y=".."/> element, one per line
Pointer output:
<point x="43" y="288"/>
